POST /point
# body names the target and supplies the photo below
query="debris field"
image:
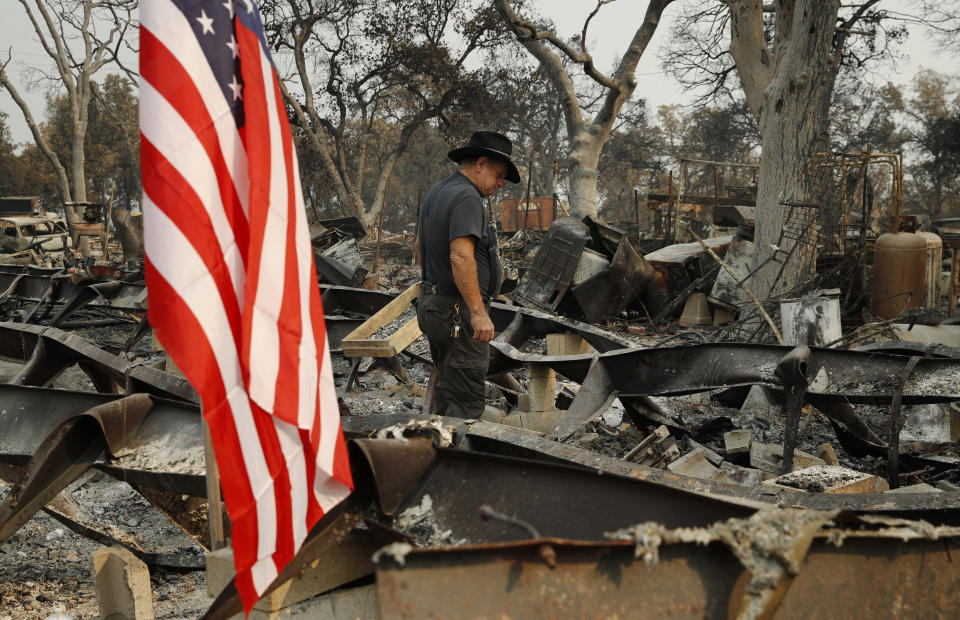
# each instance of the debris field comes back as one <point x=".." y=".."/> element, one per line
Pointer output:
<point x="645" y="410"/>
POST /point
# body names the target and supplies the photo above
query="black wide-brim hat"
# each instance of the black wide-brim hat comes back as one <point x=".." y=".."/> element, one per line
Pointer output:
<point x="491" y="144"/>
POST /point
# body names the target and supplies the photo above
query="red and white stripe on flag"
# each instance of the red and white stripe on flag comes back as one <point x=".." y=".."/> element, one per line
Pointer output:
<point x="230" y="274"/>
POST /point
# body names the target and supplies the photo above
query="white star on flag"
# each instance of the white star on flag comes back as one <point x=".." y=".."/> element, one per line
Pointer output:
<point x="206" y="23"/>
<point x="236" y="87"/>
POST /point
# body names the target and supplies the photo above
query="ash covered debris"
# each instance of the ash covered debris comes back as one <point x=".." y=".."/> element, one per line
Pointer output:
<point x="435" y="430"/>
<point x="420" y="522"/>
<point x="852" y="432"/>
<point x="673" y="408"/>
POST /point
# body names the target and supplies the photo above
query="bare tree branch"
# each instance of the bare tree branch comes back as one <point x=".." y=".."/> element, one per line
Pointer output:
<point x="60" y="26"/>
<point x="62" y="181"/>
<point x="392" y="62"/>
<point x="586" y="138"/>
<point x="529" y="35"/>
<point x="586" y="24"/>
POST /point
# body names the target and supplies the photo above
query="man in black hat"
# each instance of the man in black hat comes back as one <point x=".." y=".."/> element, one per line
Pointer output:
<point x="461" y="271"/>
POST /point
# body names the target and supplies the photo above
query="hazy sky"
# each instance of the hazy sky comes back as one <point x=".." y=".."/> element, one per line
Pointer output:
<point x="609" y="34"/>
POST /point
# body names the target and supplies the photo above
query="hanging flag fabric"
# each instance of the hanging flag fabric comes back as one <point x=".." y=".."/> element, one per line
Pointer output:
<point x="232" y="286"/>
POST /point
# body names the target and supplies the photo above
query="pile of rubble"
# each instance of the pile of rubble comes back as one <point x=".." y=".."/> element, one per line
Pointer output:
<point x="622" y="424"/>
<point x="96" y="235"/>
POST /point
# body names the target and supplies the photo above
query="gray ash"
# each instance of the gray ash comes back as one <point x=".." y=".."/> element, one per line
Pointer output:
<point x="390" y="328"/>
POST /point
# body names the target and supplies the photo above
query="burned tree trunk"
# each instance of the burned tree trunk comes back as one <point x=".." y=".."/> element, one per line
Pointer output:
<point x="788" y="89"/>
<point x="791" y="123"/>
<point x="130" y="233"/>
<point x="582" y="162"/>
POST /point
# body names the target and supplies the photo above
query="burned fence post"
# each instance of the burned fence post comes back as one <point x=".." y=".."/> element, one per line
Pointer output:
<point x="526" y="212"/>
<point x="893" y="446"/>
<point x="383" y="206"/>
<point x="218" y="539"/>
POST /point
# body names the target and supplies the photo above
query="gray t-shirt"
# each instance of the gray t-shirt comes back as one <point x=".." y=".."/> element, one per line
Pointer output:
<point x="454" y="208"/>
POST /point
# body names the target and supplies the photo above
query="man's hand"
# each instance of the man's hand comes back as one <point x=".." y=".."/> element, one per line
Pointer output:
<point x="464" y="267"/>
<point x="482" y="327"/>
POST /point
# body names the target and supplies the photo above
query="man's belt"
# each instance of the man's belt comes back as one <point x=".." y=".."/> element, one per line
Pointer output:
<point x="434" y="289"/>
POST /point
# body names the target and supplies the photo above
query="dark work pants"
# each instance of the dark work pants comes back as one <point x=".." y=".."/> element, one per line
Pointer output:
<point x="461" y="361"/>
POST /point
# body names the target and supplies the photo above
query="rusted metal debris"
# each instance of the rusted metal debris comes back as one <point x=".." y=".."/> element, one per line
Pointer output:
<point x="41" y="289"/>
<point x="54" y="436"/>
<point x="51" y="437"/>
<point x="494" y="566"/>
<point x="552" y="497"/>
<point x="47" y="352"/>
<point x="844" y="376"/>
<point x="68" y="452"/>
<point x="837" y="378"/>
<point x="682" y="574"/>
<point x="44" y="452"/>
<point x="498" y="439"/>
<point x="570" y="496"/>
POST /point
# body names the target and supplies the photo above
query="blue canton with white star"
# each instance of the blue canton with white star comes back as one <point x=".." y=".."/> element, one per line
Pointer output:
<point x="213" y="24"/>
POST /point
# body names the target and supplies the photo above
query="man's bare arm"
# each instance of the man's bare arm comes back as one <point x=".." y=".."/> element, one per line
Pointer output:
<point x="465" y="275"/>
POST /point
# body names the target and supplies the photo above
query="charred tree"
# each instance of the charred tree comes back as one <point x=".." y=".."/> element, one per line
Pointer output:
<point x="586" y="135"/>
<point x="68" y="33"/>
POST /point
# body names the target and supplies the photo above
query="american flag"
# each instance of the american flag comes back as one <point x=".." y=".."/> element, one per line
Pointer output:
<point x="230" y="274"/>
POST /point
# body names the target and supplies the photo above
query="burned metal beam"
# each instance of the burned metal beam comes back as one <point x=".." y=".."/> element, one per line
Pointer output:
<point x="589" y="579"/>
<point x="67" y="512"/>
<point x="936" y="508"/>
<point x="68" y="452"/>
<point x="52" y="286"/>
<point x="49" y="351"/>
<point x="29" y="414"/>
<point x="535" y="323"/>
<point x="115" y="294"/>
<point x="862" y="577"/>
<point x="53" y="436"/>
<point x="838" y="378"/>
<point x="850" y="376"/>
<point x="595" y="396"/>
<point x="557" y="499"/>
<point x="582" y="503"/>
<point x="30" y="283"/>
<point x="490" y="438"/>
<point x="392" y="467"/>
